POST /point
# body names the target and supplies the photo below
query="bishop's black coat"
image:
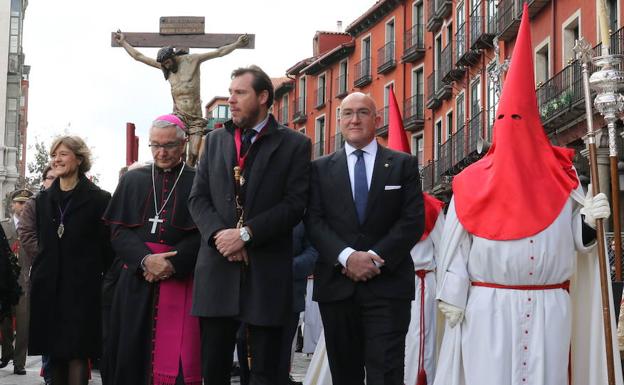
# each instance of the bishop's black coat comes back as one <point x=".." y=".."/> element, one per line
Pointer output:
<point x="128" y="345"/>
<point x="276" y="193"/>
<point x="66" y="275"/>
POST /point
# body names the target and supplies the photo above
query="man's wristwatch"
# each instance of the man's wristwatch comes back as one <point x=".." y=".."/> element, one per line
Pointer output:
<point x="245" y="236"/>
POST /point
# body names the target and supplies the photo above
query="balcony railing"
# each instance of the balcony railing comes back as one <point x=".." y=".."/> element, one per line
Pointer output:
<point x="438" y="10"/>
<point x="385" y="58"/>
<point x="363" y="73"/>
<point x="384" y="113"/>
<point x="414" y="43"/>
<point x="434" y="22"/>
<point x="459" y="149"/>
<point x="482" y="29"/>
<point x="509" y="14"/>
<point x="433" y="102"/>
<point x="320" y="97"/>
<point x="464" y="55"/>
<point x="341" y="82"/>
<point x="299" y="115"/>
<point x="445" y="157"/>
<point x="447" y="65"/>
<point x="428" y="176"/>
<point x="561" y="98"/>
<point x="414" y="112"/>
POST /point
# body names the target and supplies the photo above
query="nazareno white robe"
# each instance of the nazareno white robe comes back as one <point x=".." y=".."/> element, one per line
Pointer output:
<point x="424" y="255"/>
<point x="518" y="337"/>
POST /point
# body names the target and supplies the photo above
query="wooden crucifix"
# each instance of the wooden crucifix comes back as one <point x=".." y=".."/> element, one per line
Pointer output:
<point x="180" y="68"/>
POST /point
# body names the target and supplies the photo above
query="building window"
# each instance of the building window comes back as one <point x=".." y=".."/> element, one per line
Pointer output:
<point x="342" y="78"/>
<point x="437" y="132"/>
<point x="418" y="145"/>
<point x="542" y="62"/>
<point x="319" y="136"/>
<point x="460" y="111"/>
<point x="449" y="33"/>
<point x="571" y="33"/>
<point x="386" y="109"/>
<point x="449" y="125"/>
<point x="320" y="91"/>
<point x="612" y="8"/>
<point x="301" y="102"/>
<point x="417" y="13"/>
<point x="475" y="98"/>
<point x="390" y="31"/>
<point x="284" y="110"/>
<point x="437" y="60"/>
<point x="222" y="112"/>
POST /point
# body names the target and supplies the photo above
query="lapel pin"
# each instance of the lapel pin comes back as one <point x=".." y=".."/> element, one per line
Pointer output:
<point x="386" y="165"/>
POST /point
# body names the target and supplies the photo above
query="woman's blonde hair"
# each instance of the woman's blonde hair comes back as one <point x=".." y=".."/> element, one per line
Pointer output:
<point x="78" y="147"/>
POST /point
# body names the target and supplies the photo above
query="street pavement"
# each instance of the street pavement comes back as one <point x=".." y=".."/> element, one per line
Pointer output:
<point x="33" y="366"/>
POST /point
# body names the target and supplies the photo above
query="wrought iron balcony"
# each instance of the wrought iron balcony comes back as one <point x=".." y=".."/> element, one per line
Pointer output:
<point x="447" y="65"/>
<point x="561" y="98"/>
<point x="509" y="13"/>
<point x="299" y="115"/>
<point x="482" y="29"/>
<point x="433" y="102"/>
<point x="434" y="22"/>
<point x="464" y="55"/>
<point x="414" y="43"/>
<point x="428" y="176"/>
<point x="385" y="58"/>
<point x="384" y="113"/>
<point x="342" y="89"/>
<point x="438" y="11"/>
<point x="363" y="73"/>
<point x="445" y="157"/>
<point x="414" y="113"/>
<point x="320" y="97"/>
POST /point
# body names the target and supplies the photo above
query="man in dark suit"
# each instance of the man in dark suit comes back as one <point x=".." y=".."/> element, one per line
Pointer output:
<point x="250" y="190"/>
<point x="365" y="214"/>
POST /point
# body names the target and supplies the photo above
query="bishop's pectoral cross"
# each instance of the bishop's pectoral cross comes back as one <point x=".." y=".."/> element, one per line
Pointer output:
<point x="155" y="221"/>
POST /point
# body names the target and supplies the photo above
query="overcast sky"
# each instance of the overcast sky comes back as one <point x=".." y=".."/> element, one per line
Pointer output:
<point x="81" y="85"/>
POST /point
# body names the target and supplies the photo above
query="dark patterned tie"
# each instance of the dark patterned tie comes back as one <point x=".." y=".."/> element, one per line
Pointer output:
<point x="248" y="135"/>
<point x="360" y="187"/>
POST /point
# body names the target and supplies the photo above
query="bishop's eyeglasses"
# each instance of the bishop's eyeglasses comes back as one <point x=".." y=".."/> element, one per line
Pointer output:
<point x="167" y="146"/>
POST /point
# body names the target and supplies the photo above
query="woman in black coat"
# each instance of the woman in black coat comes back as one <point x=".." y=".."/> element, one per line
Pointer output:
<point x="66" y="276"/>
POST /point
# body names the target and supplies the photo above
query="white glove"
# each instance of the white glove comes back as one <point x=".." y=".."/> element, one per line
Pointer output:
<point x="453" y="314"/>
<point x="595" y="208"/>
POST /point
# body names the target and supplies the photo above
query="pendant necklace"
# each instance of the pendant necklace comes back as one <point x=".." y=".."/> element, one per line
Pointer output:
<point x="156" y="219"/>
<point x="61" y="229"/>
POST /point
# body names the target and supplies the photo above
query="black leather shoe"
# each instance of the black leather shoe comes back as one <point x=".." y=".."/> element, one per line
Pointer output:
<point x="3" y="363"/>
<point x="292" y="381"/>
<point x="21" y="372"/>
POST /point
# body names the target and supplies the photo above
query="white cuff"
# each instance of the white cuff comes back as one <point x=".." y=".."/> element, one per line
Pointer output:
<point x="454" y="290"/>
<point x="344" y="255"/>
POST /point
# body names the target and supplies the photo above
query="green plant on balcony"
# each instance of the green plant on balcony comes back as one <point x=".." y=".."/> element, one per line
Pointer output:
<point x="556" y="104"/>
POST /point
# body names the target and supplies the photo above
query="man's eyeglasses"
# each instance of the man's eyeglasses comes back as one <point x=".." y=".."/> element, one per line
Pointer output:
<point x="361" y="114"/>
<point x="166" y="146"/>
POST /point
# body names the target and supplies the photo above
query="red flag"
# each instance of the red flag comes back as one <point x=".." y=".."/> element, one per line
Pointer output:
<point x="397" y="140"/>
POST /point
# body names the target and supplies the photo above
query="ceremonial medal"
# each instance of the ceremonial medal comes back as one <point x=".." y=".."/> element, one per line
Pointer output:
<point x="60" y="230"/>
<point x="242" y="180"/>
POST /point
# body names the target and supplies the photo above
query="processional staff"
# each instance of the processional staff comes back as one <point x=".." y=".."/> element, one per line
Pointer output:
<point x="584" y="49"/>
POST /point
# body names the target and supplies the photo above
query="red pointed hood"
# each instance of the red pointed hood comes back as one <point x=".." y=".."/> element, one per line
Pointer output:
<point x="433" y="206"/>
<point x="520" y="186"/>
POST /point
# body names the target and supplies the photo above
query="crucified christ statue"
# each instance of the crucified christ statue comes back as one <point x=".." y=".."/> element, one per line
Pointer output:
<point x="181" y="69"/>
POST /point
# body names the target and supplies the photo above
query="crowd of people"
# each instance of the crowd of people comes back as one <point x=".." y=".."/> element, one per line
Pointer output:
<point x="181" y="267"/>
